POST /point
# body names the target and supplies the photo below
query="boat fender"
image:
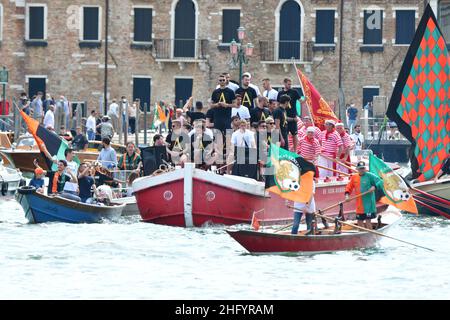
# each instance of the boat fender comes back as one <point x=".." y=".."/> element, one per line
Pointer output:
<point x="4" y="188"/>
<point x="26" y="190"/>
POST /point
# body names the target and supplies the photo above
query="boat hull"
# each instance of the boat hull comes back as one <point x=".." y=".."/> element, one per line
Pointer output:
<point x="39" y="208"/>
<point x="191" y="197"/>
<point x="429" y="205"/>
<point x="266" y="243"/>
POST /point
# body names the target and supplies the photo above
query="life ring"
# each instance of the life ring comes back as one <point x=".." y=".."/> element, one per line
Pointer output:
<point x="26" y="190"/>
<point x="4" y="188"/>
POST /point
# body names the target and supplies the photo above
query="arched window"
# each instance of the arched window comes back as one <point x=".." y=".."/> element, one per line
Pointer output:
<point x="290" y="30"/>
<point x="185" y="25"/>
<point x="444" y="18"/>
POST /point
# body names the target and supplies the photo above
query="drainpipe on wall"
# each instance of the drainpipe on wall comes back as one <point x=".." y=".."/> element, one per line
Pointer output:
<point x="105" y="92"/>
<point x="341" y="91"/>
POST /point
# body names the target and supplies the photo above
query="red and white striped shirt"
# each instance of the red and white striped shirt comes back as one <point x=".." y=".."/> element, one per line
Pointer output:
<point x="309" y="148"/>
<point x="346" y="140"/>
<point x="331" y="141"/>
<point x="317" y="133"/>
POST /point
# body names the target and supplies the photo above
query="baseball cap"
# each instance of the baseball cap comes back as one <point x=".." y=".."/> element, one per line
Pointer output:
<point x="339" y="124"/>
<point x="38" y="171"/>
<point x="361" y="165"/>
<point x="330" y="122"/>
<point x="311" y="129"/>
<point x="247" y="74"/>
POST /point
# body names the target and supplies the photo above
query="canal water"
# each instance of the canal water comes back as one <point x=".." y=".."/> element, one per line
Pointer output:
<point x="128" y="259"/>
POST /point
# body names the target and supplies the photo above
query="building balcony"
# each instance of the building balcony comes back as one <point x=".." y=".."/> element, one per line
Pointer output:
<point x="285" y="53"/>
<point x="180" y="51"/>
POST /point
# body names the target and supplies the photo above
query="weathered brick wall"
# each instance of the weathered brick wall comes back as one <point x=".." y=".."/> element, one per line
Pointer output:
<point x="78" y="72"/>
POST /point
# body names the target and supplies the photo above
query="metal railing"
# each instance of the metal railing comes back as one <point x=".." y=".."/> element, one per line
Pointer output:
<point x="286" y="50"/>
<point x="180" y="49"/>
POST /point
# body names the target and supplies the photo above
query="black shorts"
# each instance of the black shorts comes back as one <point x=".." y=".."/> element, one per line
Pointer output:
<point x="292" y="128"/>
<point x="364" y="216"/>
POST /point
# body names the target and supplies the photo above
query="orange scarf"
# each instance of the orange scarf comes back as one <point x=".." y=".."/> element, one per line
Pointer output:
<point x="55" y="182"/>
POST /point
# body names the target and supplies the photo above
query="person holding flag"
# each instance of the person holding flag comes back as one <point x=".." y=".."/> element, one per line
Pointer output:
<point x="291" y="177"/>
<point x="363" y="182"/>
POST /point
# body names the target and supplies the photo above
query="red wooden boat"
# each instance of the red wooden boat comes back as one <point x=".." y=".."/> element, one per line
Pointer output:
<point x="192" y="197"/>
<point x="265" y="242"/>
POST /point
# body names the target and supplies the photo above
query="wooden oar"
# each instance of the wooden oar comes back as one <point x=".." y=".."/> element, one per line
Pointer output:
<point x="333" y="170"/>
<point x="339" y="162"/>
<point x="371" y="231"/>
<point x="327" y="208"/>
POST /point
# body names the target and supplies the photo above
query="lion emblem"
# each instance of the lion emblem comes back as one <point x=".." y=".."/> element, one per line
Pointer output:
<point x="395" y="188"/>
<point x="287" y="175"/>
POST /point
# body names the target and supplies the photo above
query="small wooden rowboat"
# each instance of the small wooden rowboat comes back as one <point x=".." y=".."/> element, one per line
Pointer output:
<point x="266" y="242"/>
<point x="40" y="208"/>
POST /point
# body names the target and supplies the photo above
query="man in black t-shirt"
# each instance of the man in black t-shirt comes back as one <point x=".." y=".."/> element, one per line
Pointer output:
<point x="291" y="109"/>
<point x="223" y="99"/>
<point x="260" y="112"/>
<point x="247" y="93"/>
<point x="281" y="120"/>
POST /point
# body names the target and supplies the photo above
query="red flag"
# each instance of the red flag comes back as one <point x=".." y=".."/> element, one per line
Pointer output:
<point x="318" y="108"/>
<point x="255" y="222"/>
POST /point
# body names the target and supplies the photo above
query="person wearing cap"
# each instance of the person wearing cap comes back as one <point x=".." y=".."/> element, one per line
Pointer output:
<point x="347" y="147"/>
<point x="307" y="123"/>
<point x="38" y="179"/>
<point x="309" y="146"/>
<point x="247" y="93"/>
<point x="106" y="128"/>
<point x="361" y="182"/>
<point x="331" y="148"/>
<point x="291" y="110"/>
<point x="80" y="142"/>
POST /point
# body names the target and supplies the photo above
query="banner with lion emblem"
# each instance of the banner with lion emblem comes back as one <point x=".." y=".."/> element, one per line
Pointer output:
<point x="395" y="189"/>
<point x="289" y="175"/>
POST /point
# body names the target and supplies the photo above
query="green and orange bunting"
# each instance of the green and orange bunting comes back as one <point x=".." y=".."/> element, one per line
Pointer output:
<point x="420" y="100"/>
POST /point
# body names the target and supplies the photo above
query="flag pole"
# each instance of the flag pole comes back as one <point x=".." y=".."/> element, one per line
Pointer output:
<point x="306" y="99"/>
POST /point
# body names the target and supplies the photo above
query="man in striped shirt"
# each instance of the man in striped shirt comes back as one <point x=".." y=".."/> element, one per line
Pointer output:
<point x="306" y="124"/>
<point x="347" y="146"/>
<point x="309" y="146"/>
<point x="331" y="148"/>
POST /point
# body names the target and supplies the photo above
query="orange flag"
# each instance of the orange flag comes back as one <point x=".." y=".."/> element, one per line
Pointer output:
<point x="318" y="108"/>
<point x="161" y="114"/>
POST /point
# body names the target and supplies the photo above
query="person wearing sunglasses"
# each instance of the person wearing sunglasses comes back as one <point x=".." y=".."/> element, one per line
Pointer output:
<point x="223" y="99"/>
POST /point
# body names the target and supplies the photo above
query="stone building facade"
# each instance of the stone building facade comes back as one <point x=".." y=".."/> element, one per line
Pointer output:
<point x="60" y="45"/>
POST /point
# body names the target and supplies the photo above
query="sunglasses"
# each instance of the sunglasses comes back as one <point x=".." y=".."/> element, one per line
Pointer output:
<point x="222" y="80"/>
<point x="271" y="123"/>
<point x="263" y="126"/>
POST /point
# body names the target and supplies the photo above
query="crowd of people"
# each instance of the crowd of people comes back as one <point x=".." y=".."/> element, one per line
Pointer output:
<point x="235" y="133"/>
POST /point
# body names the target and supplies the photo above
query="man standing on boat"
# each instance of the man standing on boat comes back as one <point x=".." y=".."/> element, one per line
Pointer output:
<point x="130" y="160"/>
<point x="347" y="146"/>
<point x="308" y="209"/>
<point x="331" y="148"/>
<point x="362" y="182"/>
